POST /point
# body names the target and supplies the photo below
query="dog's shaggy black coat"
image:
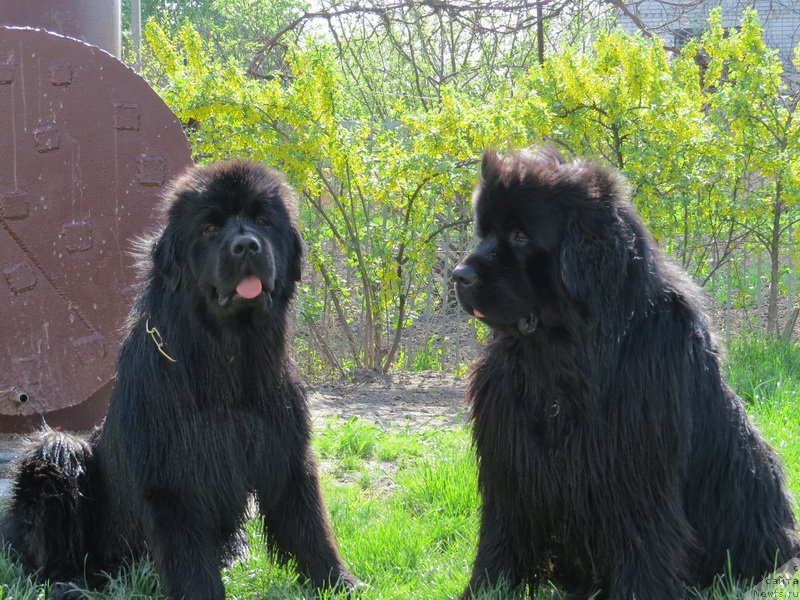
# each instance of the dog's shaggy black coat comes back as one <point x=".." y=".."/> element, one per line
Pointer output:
<point x="612" y="455"/>
<point x="186" y="443"/>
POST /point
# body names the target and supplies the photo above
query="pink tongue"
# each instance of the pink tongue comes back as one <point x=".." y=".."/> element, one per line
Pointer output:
<point x="477" y="313"/>
<point x="249" y="287"/>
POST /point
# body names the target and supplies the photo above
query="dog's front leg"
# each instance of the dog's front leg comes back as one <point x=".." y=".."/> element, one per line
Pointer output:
<point x="495" y="562"/>
<point x="296" y="525"/>
<point x="183" y="549"/>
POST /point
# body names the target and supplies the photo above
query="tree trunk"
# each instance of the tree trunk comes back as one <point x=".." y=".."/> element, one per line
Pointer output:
<point x="540" y="32"/>
<point x="774" y="257"/>
<point x="788" y="329"/>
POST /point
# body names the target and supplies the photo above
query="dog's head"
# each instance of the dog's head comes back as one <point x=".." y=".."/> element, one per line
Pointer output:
<point x="555" y="238"/>
<point x="230" y="239"/>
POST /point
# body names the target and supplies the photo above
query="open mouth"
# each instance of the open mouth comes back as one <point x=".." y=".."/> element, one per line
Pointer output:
<point x="248" y="289"/>
<point x="526" y="325"/>
<point x="479" y="315"/>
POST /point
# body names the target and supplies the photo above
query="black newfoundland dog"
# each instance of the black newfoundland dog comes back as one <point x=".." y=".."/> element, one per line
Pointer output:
<point x="207" y="410"/>
<point x="612" y="455"/>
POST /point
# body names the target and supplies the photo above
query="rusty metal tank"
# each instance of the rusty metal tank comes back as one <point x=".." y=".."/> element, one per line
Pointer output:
<point x="86" y="147"/>
<point x="95" y="22"/>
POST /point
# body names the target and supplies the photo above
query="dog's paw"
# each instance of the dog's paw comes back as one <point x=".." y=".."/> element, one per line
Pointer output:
<point x="64" y="590"/>
<point x="347" y="583"/>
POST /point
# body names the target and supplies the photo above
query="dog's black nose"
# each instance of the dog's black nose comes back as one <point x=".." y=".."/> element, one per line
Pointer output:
<point x="464" y="274"/>
<point x="245" y="244"/>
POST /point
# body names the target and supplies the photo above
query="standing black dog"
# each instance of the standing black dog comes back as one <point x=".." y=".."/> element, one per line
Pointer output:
<point x="612" y="454"/>
<point x="207" y="409"/>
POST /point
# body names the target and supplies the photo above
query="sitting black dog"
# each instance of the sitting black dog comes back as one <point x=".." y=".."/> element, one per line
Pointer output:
<point x="207" y="410"/>
<point x="613" y="456"/>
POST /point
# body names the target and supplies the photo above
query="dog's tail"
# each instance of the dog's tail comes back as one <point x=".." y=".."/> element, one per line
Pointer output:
<point x="47" y="516"/>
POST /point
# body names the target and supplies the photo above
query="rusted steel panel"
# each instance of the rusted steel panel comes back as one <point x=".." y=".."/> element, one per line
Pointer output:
<point x="85" y="148"/>
<point x="95" y="22"/>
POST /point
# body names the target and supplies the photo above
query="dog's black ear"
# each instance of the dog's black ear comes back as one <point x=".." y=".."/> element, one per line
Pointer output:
<point x="600" y="237"/>
<point x="296" y="256"/>
<point x="595" y="254"/>
<point x="575" y="249"/>
<point x="166" y="262"/>
<point x="491" y="168"/>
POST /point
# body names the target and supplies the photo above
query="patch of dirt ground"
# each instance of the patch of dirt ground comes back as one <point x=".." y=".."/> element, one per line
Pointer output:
<point x="406" y="399"/>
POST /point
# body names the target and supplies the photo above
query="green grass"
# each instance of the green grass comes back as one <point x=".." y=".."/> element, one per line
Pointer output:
<point x="16" y="585"/>
<point x="764" y="370"/>
<point x="405" y="506"/>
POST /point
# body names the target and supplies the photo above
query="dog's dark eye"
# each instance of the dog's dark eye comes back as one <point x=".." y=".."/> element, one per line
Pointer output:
<point x="519" y="237"/>
<point x="210" y="229"/>
<point x="261" y="221"/>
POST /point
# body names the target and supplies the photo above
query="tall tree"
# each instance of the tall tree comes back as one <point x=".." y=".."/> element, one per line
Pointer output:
<point x="756" y="111"/>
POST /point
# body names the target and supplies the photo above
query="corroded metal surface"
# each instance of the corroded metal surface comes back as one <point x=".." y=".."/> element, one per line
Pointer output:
<point x="85" y="148"/>
<point x="95" y="22"/>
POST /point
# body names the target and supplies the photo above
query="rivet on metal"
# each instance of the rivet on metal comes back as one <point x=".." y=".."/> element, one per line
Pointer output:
<point x="13" y="205"/>
<point x="60" y="74"/>
<point x="46" y="137"/>
<point x="20" y="277"/>
<point x="77" y="236"/>
<point x="126" y="116"/>
<point x="152" y="169"/>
